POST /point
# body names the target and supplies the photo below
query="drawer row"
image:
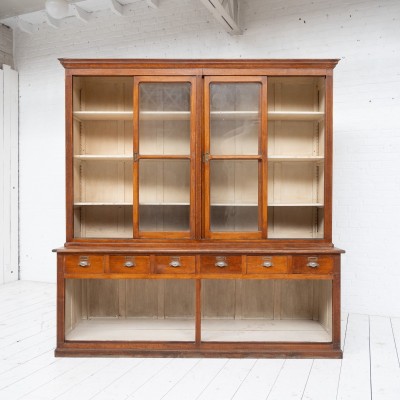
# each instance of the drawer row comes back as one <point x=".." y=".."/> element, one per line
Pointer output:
<point x="207" y="264"/>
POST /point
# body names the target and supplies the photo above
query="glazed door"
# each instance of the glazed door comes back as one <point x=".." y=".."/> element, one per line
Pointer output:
<point x="235" y="157"/>
<point x="164" y="156"/>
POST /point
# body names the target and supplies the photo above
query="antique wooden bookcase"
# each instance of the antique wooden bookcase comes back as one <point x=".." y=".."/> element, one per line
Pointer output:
<point x="199" y="210"/>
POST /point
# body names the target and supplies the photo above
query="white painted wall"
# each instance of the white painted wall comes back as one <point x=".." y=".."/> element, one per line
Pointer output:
<point x="364" y="34"/>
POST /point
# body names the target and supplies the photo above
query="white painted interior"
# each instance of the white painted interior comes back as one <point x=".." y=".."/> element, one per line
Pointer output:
<point x="364" y="34"/>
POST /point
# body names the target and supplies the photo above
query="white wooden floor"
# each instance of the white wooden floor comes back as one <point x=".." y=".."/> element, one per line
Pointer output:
<point x="28" y="370"/>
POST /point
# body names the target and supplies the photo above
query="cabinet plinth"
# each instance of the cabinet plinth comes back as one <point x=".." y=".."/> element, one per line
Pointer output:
<point x="199" y="210"/>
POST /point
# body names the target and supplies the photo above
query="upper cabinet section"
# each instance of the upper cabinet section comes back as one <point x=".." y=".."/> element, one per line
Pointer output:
<point x="213" y="149"/>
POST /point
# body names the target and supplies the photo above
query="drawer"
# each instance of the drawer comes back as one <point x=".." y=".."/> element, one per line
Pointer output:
<point x="175" y="264"/>
<point x="312" y="265"/>
<point x="221" y="264"/>
<point x="83" y="264"/>
<point x="130" y="264"/>
<point x="267" y="264"/>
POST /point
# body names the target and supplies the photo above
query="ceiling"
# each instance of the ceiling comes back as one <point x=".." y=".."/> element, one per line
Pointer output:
<point x="12" y="8"/>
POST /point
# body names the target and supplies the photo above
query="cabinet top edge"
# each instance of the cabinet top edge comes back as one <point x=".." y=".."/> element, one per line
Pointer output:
<point x="87" y="63"/>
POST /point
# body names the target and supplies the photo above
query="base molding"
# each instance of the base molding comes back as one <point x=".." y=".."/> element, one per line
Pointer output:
<point x="275" y="352"/>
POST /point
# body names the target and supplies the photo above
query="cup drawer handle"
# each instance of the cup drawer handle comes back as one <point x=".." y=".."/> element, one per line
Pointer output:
<point x="175" y="262"/>
<point x="84" y="262"/>
<point x="129" y="264"/>
<point x="313" y="262"/>
<point x="221" y="262"/>
<point x="267" y="262"/>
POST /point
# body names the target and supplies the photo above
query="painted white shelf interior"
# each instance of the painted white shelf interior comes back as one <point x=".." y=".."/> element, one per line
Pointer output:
<point x="148" y="309"/>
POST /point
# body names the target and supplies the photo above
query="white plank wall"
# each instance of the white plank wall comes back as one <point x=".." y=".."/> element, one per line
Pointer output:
<point x="370" y="369"/>
<point x="8" y="174"/>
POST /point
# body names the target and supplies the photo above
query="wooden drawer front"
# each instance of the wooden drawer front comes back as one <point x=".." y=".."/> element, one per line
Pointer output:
<point x="267" y="265"/>
<point x="312" y="265"/>
<point x="221" y="264"/>
<point x="175" y="264"/>
<point x="83" y="264"/>
<point x="130" y="264"/>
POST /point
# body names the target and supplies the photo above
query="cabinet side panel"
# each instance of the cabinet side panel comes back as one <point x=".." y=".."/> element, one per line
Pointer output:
<point x="325" y="305"/>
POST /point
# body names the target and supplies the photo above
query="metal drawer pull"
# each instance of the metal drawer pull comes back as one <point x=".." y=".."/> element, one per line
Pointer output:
<point x="84" y="262"/>
<point x="312" y="262"/>
<point x="175" y="262"/>
<point x="129" y="264"/>
<point x="221" y="262"/>
<point x="267" y="264"/>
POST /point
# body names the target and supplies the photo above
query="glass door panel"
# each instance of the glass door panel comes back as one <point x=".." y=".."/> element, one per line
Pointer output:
<point x="103" y="157"/>
<point x="233" y="196"/>
<point x="233" y="156"/>
<point x="164" y="118"/>
<point x="296" y="141"/>
<point x="234" y="118"/>
<point x="165" y="128"/>
<point x="164" y="195"/>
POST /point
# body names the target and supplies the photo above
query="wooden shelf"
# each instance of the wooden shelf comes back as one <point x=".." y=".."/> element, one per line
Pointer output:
<point x="296" y="158"/>
<point x="164" y="204"/>
<point x="234" y="205"/>
<point x="235" y="115"/>
<point x="295" y="205"/>
<point x="212" y="330"/>
<point x="164" y="115"/>
<point x="103" y="115"/>
<point x="103" y="157"/>
<point x="295" y="115"/>
<point x="92" y="203"/>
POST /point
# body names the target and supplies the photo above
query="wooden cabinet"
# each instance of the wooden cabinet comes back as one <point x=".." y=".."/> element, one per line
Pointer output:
<point x="199" y="210"/>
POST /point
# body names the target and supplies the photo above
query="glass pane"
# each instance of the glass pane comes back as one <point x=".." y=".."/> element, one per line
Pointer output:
<point x="103" y="156"/>
<point x="164" y="195"/>
<point x="296" y="139"/>
<point x="235" y="118"/>
<point x="152" y="310"/>
<point x="234" y="196"/>
<point x="255" y="311"/>
<point x="164" y="118"/>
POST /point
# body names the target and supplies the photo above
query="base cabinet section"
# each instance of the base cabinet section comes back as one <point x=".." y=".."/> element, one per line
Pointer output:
<point x="243" y="316"/>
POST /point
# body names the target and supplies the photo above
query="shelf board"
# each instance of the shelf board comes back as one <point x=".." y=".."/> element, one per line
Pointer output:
<point x="235" y="115"/>
<point x="96" y="203"/>
<point x="179" y="329"/>
<point x="234" y="205"/>
<point x="295" y="115"/>
<point x="295" y="204"/>
<point x="164" y="204"/>
<point x="295" y="158"/>
<point x="103" y="115"/>
<point x="164" y="115"/>
<point x="103" y="157"/>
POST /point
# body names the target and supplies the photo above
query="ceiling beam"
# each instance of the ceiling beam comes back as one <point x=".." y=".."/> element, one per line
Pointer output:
<point x="24" y="26"/>
<point x="116" y="7"/>
<point x="54" y="23"/>
<point x="226" y="13"/>
<point x="152" y="3"/>
<point x="80" y="13"/>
